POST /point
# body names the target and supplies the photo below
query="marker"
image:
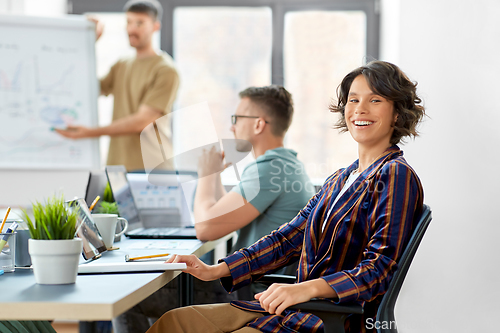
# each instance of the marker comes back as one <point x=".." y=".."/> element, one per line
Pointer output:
<point x="9" y="232"/>
<point x="61" y="129"/>
<point x="127" y="258"/>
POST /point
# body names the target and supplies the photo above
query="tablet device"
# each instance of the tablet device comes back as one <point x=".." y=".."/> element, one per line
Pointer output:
<point x="86" y="229"/>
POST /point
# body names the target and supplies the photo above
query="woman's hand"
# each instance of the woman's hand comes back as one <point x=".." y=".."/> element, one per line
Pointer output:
<point x="280" y="296"/>
<point x="199" y="269"/>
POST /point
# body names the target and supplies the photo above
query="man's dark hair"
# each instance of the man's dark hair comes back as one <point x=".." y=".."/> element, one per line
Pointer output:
<point x="151" y="7"/>
<point x="388" y="81"/>
<point x="277" y="104"/>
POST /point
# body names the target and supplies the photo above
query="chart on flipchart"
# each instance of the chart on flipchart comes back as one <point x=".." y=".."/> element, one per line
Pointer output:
<point x="47" y="81"/>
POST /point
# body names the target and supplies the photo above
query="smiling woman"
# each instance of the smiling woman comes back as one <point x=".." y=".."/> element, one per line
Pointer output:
<point x="385" y="80"/>
<point x="349" y="237"/>
<point x="369" y="117"/>
<point x="379" y="106"/>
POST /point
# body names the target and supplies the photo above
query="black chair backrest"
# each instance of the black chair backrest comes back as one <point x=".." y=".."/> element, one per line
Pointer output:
<point x="386" y="322"/>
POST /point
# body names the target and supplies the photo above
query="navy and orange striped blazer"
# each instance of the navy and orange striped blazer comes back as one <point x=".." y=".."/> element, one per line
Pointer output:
<point x="357" y="252"/>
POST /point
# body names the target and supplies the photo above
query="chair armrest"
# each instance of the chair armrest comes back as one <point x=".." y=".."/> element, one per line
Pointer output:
<point x="276" y="278"/>
<point x="326" y="306"/>
<point x="332" y="315"/>
<point x="314" y="304"/>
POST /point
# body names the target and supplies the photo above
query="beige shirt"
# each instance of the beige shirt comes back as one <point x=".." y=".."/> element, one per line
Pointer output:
<point x="152" y="81"/>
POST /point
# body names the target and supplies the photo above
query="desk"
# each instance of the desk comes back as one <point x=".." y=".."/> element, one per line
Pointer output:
<point x="92" y="297"/>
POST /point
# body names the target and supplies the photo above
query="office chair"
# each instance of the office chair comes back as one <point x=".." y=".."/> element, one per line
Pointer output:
<point x="334" y="315"/>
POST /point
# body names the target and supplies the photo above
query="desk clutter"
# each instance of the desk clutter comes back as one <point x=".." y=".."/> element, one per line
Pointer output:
<point x="44" y="234"/>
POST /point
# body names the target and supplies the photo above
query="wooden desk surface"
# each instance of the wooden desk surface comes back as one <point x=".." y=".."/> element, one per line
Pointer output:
<point x="92" y="297"/>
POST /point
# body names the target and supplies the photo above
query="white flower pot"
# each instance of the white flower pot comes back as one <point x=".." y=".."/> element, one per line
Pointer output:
<point x="55" y="261"/>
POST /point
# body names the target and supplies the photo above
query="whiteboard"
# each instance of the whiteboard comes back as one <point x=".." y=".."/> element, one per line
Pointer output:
<point x="47" y="80"/>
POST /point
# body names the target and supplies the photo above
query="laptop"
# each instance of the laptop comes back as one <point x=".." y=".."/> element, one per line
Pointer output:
<point x="180" y="197"/>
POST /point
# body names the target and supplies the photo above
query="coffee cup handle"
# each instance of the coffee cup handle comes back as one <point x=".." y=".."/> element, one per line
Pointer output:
<point x="124" y="224"/>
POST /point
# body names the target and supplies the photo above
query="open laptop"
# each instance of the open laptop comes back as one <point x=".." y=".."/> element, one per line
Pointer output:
<point x="180" y="195"/>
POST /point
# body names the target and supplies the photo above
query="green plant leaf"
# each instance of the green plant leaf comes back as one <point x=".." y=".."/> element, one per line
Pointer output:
<point x="108" y="208"/>
<point x="52" y="220"/>
<point x="108" y="194"/>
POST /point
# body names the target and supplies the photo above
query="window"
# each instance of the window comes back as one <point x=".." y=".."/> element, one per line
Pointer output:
<point x="224" y="46"/>
<point x="320" y="48"/>
<point x="220" y="51"/>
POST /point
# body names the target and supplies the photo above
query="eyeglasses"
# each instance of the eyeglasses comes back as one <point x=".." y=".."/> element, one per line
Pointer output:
<point x="235" y="117"/>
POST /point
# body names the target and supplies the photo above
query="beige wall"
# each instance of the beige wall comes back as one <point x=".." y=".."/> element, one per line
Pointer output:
<point x="451" y="49"/>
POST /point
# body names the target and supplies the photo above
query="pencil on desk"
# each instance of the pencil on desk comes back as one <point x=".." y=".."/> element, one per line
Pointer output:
<point x="94" y="203"/>
<point x="127" y="258"/>
<point x="5" y="219"/>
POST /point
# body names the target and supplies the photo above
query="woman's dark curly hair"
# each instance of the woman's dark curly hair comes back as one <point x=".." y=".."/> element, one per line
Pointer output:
<point x="388" y="81"/>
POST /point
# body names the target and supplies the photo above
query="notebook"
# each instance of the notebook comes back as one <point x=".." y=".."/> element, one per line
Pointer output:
<point x="128" y="267"/>
<point x="180" y="197"/>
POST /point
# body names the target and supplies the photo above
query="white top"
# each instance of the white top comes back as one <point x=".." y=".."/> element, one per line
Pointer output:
<point x="352" y="178"/>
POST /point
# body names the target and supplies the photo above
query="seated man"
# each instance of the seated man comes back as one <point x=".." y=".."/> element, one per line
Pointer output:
<point x="272" y="190"/>
<point x="272" y="187"/>
<point x="347" y="239"/>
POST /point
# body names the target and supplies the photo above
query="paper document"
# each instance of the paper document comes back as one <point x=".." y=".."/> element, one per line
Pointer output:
<point x="163" y="244"/>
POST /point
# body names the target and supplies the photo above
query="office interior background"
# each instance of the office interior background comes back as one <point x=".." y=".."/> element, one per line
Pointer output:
<point x="450" y="49"/>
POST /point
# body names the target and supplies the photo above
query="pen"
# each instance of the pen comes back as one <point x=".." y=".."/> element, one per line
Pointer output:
<point x="9" y="232"/>
<point x="94" y="203"/>
<point x="5" y="219"/>
<point x="127" y="258"/>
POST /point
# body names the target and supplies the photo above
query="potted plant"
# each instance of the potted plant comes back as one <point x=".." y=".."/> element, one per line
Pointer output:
<point x="53" y="248"/>
<point x="107" y="207"/>
<point x="108" y="204"/>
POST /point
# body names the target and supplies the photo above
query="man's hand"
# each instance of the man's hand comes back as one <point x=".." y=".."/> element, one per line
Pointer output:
<point x="199" y="269"/>
<point x="280" y="296"/>
<point x="76" y="132"/>
<point x="99" y="26"/>
<point x="211" y="162"/>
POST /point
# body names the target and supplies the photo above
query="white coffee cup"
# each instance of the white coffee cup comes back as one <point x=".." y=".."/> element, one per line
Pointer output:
<point x="106" y="223"/>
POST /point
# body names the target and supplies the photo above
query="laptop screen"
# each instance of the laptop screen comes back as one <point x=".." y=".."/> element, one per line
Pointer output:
<point x="117" y="177"/>
<point x="169" y="195"/>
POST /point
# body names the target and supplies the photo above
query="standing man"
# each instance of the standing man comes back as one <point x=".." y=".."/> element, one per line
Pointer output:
<point x="144" y="88"/>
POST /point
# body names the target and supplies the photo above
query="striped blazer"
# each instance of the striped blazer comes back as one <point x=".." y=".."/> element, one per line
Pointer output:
<point x="357" y="252"/>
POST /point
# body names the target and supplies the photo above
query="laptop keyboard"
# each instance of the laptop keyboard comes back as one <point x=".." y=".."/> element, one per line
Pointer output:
<point x="158" y="231"/>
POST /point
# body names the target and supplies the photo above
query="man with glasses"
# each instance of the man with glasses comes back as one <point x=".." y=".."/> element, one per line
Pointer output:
<point x="272" y="190"/>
